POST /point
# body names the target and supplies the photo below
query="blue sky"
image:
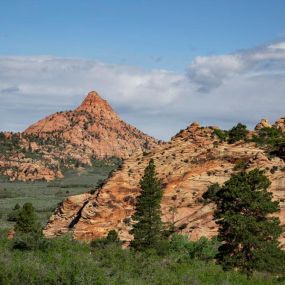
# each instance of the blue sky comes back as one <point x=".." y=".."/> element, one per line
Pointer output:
<point x="160" y="64"/>
<point x="148" y="33"/>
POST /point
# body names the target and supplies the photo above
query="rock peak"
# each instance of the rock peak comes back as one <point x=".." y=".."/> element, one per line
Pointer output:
<point x="264" y="123"/>
<point x="94" y="101"/>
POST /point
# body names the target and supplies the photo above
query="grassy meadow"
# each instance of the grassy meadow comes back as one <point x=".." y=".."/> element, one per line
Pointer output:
<point x="45" y="196"/>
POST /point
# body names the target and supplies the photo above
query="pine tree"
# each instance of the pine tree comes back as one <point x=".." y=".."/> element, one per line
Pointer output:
<point x="28" y="230"/>
<point x="27" y="221"/>
<point x="247" y="229"/>
<point x="148" y="229"/>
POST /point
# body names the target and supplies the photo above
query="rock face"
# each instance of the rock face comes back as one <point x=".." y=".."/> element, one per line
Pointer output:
<point x="70" y="139"/>
<point x="264" y="123"/>
<point x="280" y="124"/>
<point x="95" y="127"/>
<point x="187" y="165"/>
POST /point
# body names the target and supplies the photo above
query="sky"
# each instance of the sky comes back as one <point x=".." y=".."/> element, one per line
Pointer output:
<point x="161" y="64"/>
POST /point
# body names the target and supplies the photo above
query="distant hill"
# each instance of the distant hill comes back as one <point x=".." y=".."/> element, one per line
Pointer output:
<point x="70" y="139"/>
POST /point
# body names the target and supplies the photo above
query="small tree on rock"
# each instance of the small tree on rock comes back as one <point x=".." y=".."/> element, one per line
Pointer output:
<point x="148" y="228"/>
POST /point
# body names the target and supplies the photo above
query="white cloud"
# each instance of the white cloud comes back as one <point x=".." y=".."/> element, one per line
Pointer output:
<point x="210" y="72"/>
<point x="280" y="45"/>
<point x="243" y="86"/>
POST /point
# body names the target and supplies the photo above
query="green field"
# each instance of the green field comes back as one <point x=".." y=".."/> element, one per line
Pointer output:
<point x="45" y="196"/>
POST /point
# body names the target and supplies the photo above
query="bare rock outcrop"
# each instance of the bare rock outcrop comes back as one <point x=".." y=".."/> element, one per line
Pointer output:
<point x="94" y="127"/>
<point x="187" y="165"/>
<point x="264" y="123"/>
<point x="280" y="124"/>
<point x="70" y="139"/>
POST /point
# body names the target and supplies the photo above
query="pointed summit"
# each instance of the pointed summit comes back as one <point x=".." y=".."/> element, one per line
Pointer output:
<point x="93" y="101"/>
<point x="93" y="129"/>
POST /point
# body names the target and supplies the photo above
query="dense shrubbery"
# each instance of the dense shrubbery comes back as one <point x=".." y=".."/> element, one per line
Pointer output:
<point x="29" y="258"/>
<point x="203" y="249"/>
<point x="235" y="134"/>
<point x="270" y="138"/>
<point x="221" y="134"/>
<point x="9" y="144"/>
<point x="66" y="261"/>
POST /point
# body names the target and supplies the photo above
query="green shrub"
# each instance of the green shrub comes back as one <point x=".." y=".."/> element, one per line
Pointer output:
<point x="74" y="263"/>
<point x="279" y="150"/>
<point x="240" y="165"/>
<point x="268" y="137"/>
<point x="202" y="249"/>
<point x="111" y="239"/>
<point x="14" y="214"/>
<point x="30" y="241"/>
<point x="273" y="140"/>
<point x="221" y="134"/>
<point x="237" y="133"/>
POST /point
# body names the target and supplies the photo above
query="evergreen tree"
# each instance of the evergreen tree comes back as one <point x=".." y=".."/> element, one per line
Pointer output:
<point x="28" y="230"/>
<point x="148" y="229"/>
<point x="247" y="229"/>
<point x="27" y="221"/>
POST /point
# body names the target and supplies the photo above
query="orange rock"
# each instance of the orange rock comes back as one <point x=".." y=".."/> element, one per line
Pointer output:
<point x="264" y="123"/>
<point x="95" y="127"/>
<point x="11" y="234"/>
<point x="280" y="124"/>
<point x="187" y="165"/>
<point x="93" y="130"/>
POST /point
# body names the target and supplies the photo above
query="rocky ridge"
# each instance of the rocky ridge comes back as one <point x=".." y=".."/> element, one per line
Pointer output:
<point x="69" y="139"/>
<point x="187" y="165"/>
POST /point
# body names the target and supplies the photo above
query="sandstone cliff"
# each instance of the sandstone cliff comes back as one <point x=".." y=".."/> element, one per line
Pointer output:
<point x="187" y="165"/>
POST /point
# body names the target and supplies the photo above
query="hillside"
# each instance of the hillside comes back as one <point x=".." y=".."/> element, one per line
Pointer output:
<point x="194" y="159"/>
<point x="69" y="139"/>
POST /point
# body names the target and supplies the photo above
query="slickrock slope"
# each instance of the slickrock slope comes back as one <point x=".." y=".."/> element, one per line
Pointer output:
<point x="187" y="165"/>
<point x="70" y="139"/>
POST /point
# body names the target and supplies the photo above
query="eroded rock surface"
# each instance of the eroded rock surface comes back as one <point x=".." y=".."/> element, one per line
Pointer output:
<point x="264" y="123"/>
<point x="69" y="139"/>
<point x="187" y="165"/>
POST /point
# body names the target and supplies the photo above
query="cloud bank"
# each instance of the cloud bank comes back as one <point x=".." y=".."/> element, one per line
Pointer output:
<point x="219" y="90"/>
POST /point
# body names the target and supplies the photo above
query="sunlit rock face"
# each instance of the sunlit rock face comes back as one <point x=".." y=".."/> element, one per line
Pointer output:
<point x="187" y="165"/>
<point x="93" y="130"/>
